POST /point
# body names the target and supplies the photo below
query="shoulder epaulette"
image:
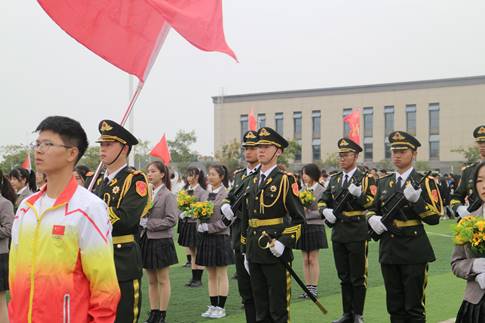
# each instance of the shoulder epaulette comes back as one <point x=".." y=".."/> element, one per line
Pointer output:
<point x="237" y="171"/>
<point x="386" y="175"/>
<point x="335" y="174"/>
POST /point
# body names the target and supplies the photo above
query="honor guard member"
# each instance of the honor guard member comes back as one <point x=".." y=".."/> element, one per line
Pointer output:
<point x="241" y="180"/>
<point x="465" y="192"/>
<point x="343" y="204"/>
<point x="405" y="250"/>
<point x="125" y="191"/>
<point x="271" y="208"/>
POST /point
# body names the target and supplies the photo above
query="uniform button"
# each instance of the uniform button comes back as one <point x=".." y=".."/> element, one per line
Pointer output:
<point x="392" y="235"/>
<point x="415" y="233"/>
<point x="257" y="198"/>
<point x="118" y="246"/>
<point x="254" y="233"/>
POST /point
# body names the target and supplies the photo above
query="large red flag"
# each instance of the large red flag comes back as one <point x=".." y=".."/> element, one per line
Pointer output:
<point x="252" y="121"/>
<point x="198" y="21"/>
<point x="26" y="163"/>
<point x="161" y="151"/>
<point x="353" y="120"/>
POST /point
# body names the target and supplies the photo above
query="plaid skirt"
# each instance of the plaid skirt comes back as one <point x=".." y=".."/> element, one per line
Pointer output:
<point x="214" y="250"/>
<point x="158" y="253"/>
<point x="3" y="272"/>
<point x="313" y="237"/>
<point x="188" y="235"/>
<point x="471" y="313"/>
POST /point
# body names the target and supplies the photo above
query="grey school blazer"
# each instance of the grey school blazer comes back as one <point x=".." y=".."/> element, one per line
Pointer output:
<point x="215" y="224"/>
<point x="313" y="215"/>
<point x="6" y="220"/>
<point x="461" y="264"/>
<point x="163" y="216"/>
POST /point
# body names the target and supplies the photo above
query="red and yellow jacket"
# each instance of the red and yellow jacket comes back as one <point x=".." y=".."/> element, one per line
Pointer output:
<point x="61" y="266"/>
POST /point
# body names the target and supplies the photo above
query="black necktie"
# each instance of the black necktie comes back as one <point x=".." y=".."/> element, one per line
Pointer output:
<point x="399" y="184"/>
<point x="261" y="183"/>
<point x="105" y="182"/>
<point x="346" y="181"/>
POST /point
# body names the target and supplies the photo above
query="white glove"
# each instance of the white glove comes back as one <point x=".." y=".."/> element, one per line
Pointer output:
<point x="480" y="279"/>
<point x="329" y="216"/>
<point x="227" y="211"/>
<point x="411" y="194"/>
<point x="246" y="264"/>
<point x="355" y="190"/>
<point x="376" y="224"/>
<point x="182" y="215"/>
<point x="277" y="249"/>
<point x="462" y="211"/>
<point x="478" y="266"/>
<point x="203" y="227"/>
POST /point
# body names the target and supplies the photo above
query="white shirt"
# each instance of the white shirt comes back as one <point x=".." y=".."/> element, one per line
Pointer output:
<point x="249" y="171"/>
<point x="266" y="174"/>
<point x="216" y="190"/>
<point x="113" y="174"/>
<point x="404" y="176"/>
<point x="193" y="188"/>
<point x="313" y="187"/>
<point x="22" y="190"/>
<point x="155" y="191"/>
<point x="349" y="174"/>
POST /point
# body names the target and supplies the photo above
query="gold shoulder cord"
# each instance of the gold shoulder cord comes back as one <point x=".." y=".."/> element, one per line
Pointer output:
<point x="283" y="185"/>
<point x="126" y="187"/>
<point x="149" y="199"/>
<point x="430" y="195"/>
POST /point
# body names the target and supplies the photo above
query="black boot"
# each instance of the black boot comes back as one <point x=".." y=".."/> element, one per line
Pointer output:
<point x="346" y="318"/>
<point x="358" y="318"/>
<point x="163" y="314"/>
<point x="154" y="317"/>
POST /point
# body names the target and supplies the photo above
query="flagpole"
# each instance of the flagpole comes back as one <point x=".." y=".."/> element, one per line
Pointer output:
<point x="126" y="114"/>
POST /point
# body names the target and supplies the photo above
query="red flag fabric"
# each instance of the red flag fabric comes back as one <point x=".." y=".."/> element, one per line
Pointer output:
<point x="198" y="21"/>
<point x="353" y="120"/>
<point x="128" y="33"/>
<point x="161" y="151"/>
<point x="252" y="121"/>
<point x="26" y="163"/>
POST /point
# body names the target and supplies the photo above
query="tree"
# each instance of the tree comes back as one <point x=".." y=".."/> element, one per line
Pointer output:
<point x="12" y="156"/>
<point x="180" y="150"/>
<point x="90" y="158"/>
<point x="289" y="153"/>
<point x="230" y="155"/>
<point x="471" y="154"/>
<point x="331" y="162"/>
<point x="142" y="154"/>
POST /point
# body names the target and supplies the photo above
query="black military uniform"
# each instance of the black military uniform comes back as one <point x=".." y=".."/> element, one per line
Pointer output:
<point x="350" y="233"/>
<point x="465" y="190"/>
<point x="127" y="197"/>
<point x="241" y="180"/>
<point x="271" y="206"/>
<point x="405" y="250"/>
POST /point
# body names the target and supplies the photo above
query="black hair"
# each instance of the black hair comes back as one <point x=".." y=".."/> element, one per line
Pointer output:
<point x="20" y="174"/>
<point x="70" y="131"/>
<point x="223" y="173"/>
<point x="165" y="171"/>
<point x="6" y="189"/>
<point x="312" y="171"/>
<point x="194" y="171"/>
<point x="82" y="170"/>
<point x="475" y="177"/>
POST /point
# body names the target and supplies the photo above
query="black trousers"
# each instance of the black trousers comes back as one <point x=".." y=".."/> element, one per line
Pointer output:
<point x="244" y="286"/>
<point x="405" y="285"/>
<point x="351" y="263"/>
<point x="129" y="307"/>
<point x="271" y="285"/>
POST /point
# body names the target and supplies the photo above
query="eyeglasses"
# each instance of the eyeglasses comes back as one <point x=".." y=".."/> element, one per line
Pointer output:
<point x="45" y="145"/>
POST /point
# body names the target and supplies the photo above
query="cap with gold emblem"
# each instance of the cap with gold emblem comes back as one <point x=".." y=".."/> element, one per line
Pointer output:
<point x="268" y="136"/>
<point x="111" y="131"/>
<point x="250" y="139"/>
<point x="346" y="145"/>
<point x="479" y="134"/>
<point x="401" y="140"/>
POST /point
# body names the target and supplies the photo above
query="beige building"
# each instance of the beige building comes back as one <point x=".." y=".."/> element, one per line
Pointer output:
<point x="441" y="113"/>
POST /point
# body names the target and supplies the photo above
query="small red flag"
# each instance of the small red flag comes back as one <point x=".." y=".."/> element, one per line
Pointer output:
<point x="353" y="120"/>
<point x="161" y="151"/>
<point x="252" y="121"/>
<point x="26" y="163"/>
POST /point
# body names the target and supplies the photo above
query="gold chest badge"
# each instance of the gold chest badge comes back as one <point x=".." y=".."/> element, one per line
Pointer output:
<point x="273" y="188"/>
<point x="116" y="190"/>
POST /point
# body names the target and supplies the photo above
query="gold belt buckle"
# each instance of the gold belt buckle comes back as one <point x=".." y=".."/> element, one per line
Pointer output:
<point x="269" y="243"/>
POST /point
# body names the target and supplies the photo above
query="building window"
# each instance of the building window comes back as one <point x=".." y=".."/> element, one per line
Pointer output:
<point x="298" y="152"/>
<point x="388" y="128"/>
<point x="315" y="124"/>
<point x="434" y="131"/>
<point x="411" y="119"/>
<point x="368" y="122"/>
<point x="244" y="124"/>
<point x="297" y="125"/>
<point x="316" y="154"/>
<point x="278" y="121"/>
<point x="261" y="120"/>
<point x="345" y="113"/>
<point x="368" y="149"/>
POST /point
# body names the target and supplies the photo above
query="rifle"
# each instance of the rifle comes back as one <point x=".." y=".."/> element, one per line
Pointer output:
<point x="239" y="195"/>
<point x="345" y="197"/>
<point x="401" y="201"/>
<point x="269" y="243"/>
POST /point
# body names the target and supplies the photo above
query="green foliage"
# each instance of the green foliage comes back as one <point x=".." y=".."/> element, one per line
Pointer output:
<point x="384" y="164"/>
<point x="142" y="154"/>
<point x="12" y="156"/>
<point x="91" y="158"/>
<point x="230" y="156"/>
<point x="421" y="165"/>
<point x="289" y="154"/>
<point x="330" y="162"/>
<point x="471" y="154"/>
<point x="180" y="150"/>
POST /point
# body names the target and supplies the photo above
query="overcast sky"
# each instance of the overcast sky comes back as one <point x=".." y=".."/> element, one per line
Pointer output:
<point x="281" y="45"/>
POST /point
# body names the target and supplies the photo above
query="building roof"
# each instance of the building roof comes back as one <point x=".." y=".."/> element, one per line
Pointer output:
<point x="385" y="87"/>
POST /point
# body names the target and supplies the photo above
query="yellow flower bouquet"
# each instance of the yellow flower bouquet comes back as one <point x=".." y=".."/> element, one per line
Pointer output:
<point x="306" y="198"/>
<point x="184" y="200"/>
<point x="471" y="230"/>
<point x="202" y="210"/>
